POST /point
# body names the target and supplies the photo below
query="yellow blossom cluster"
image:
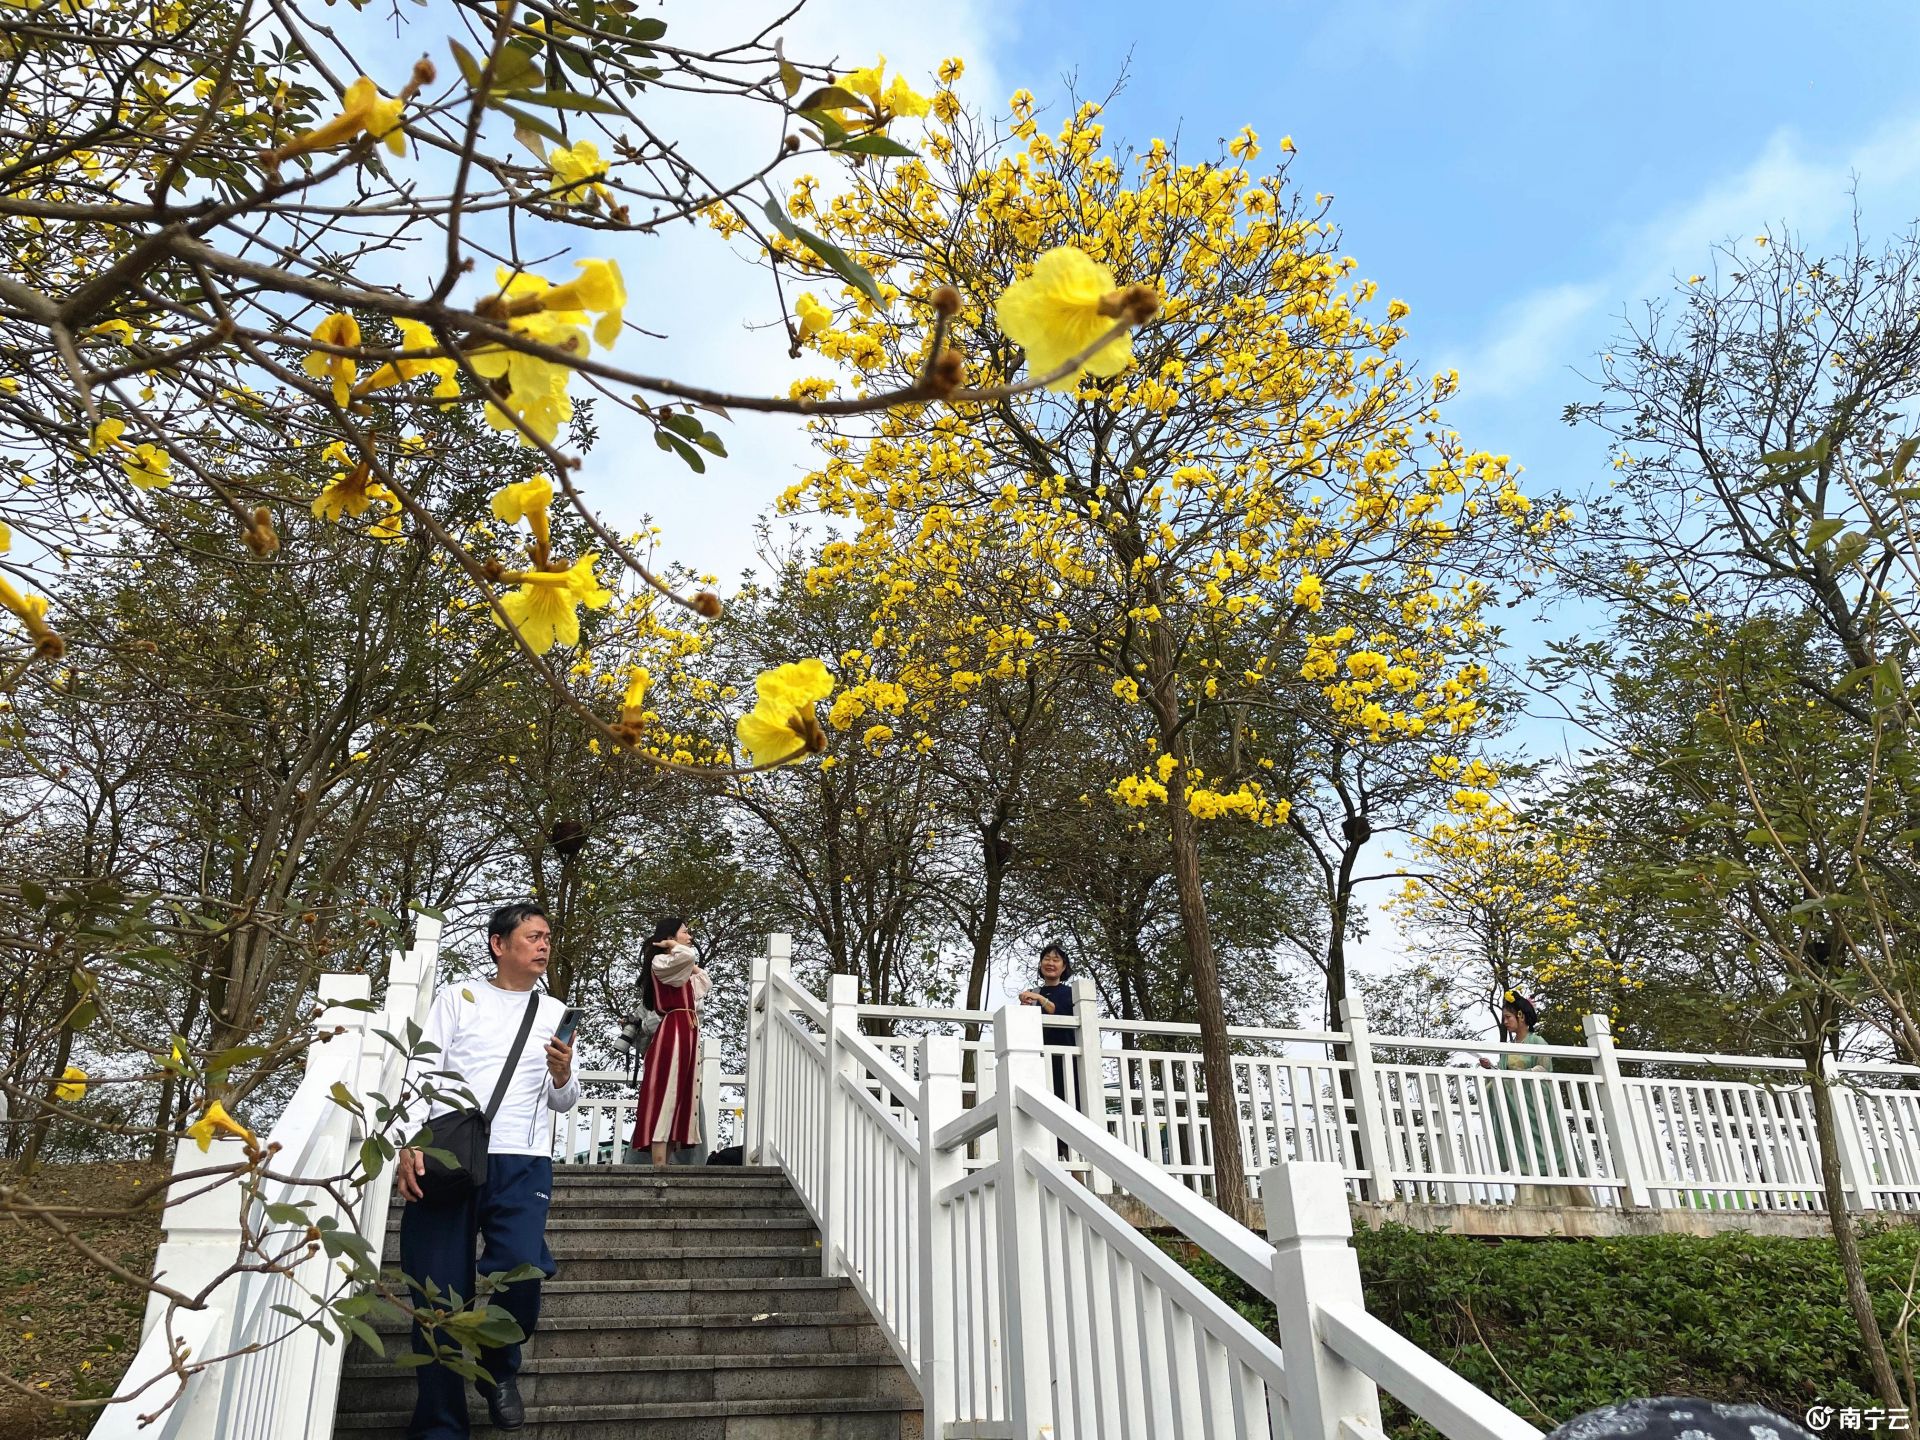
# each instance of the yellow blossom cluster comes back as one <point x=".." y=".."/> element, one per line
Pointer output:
<point x="1273" y="490"/>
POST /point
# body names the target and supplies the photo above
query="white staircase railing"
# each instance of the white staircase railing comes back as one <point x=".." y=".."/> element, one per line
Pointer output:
<point x="1016" y="1297"/>
<point x="236" y="1364"/>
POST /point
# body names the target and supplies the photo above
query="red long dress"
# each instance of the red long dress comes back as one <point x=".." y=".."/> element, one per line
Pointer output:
<point x="667" y="1112"/>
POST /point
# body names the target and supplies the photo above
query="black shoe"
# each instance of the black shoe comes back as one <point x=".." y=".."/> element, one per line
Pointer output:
<point x="504" y="1407"/>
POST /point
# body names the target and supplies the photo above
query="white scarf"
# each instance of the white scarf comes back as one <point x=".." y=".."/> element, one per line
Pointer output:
<point x="681" y="966"/>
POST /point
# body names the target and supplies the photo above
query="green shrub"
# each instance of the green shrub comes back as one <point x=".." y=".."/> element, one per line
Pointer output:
<point x="1555" y="1327"/>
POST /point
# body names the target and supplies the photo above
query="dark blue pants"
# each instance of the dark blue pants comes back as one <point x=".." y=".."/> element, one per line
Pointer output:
<point x="509" y="1217"/>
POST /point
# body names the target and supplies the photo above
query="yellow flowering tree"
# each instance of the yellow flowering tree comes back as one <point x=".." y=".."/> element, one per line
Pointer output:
<point x="1193" y="497"/>
<point x="1500" y="897"/>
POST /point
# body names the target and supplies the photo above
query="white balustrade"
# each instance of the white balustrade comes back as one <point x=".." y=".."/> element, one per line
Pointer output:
<point x="238" y="1367"/>
<point x="1017" y="1298"/>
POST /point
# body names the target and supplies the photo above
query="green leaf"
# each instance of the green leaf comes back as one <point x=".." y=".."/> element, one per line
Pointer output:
<point x="469" y="67"/>
<point x="284" y="1214"/>
<point x="1904" y="456"/>
<point x="1851" y="546"/>
<point x="874" y="145"/>
<point x="32" y="894"/>
<point x="1823" y="530"/>
<point x="648" y="29"/>
<point x="345" y="1098"/>
<point x="1888" y="684"/>
<point x="372" y="1157"/>
<point x="526" y="121"/>
<point x="789" y="79"/>
<point x="516" y="69"/>
<point x="570" y="100"/>
<point x="836" y="259"/>
<point x="831" y="97"/>
<point x="677" y="446"/>
<point x="832" y="132"/>
<point x="238" y="1055"/>
<point x="364" y="1333"/>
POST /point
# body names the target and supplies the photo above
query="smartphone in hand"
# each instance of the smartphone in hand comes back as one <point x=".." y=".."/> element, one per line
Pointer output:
<point x="569" y="1023"/>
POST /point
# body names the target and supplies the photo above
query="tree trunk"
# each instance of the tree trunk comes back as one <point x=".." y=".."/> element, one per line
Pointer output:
<point x="1223" y="1107"/>
<point x="43" y="1122"/>
<point x="1846" y="1239"/>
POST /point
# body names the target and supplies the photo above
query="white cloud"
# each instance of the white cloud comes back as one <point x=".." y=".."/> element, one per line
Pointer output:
<point x="1787" y="184"/>
<point x="1529" y="339"/>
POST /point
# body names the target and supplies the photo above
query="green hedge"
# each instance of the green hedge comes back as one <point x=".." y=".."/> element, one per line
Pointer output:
<point x="1555" y="1327"/>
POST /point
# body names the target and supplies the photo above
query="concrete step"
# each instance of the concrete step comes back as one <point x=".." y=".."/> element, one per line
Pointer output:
<point x="671" y="1226"/>
<point x="742" y="1295"/>
<point x="583" y="1202"/>
<point x="835" y="1419"/>
<point x="641" y="1258"/>
<point x="691" y="1176"/>
<point x="761" y="1332"/>
<point x="570" y="1382"/>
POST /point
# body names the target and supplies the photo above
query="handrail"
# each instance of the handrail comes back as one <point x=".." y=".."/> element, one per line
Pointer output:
<point x="1216" y="1232"/>
<point x="785" y="989"/>
<point x="1718" y="1062"/>
<point x="1443" y="1398"/>
<point x="879" y="1114"/>
<point x="898" y="1083"/>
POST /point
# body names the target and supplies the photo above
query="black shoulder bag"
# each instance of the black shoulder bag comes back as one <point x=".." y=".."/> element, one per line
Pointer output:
<point x="464" y="1134"/>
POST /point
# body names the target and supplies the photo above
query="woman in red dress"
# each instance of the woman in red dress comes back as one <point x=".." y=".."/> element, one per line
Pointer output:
<point x="673" y="985"/>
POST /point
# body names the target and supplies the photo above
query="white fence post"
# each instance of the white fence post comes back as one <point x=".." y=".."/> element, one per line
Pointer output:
<point x="756" y="1058"/>
<point x="1854" y="1168"/>
<point x="1089" y="1065"/>
<point x="1020" y="1065"/>
<point x="843" y="993"/>
<point x="939" y="1103"/>
<point x="777" y="961"/>
<point x="1376" y="1156"/>
<point x="1616" y="1113"/>
<point x="1313" y="1263"/>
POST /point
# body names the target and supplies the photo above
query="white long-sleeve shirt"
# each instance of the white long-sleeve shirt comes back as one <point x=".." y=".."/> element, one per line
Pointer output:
<point x="474" y="1022"/>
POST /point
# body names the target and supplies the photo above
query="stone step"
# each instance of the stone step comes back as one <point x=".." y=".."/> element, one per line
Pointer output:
<point x="707" y="1295"/>
<point x="642" y="1259"/>
<point x="572" y="1241"/>
<point x="714" y="1227"/>
<point x="760" y="1332"/>
<point x="566" y="1383"/>
<point x="823" y="1419"/>
<point x="692" y="1176"/>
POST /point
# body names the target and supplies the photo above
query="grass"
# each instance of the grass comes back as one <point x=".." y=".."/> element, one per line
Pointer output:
<point x="68" y="1327"/>
<point x="1553" y="1328"/>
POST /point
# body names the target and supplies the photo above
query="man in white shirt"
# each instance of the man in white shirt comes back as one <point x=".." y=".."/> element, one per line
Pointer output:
<point x="475" y="1025"/>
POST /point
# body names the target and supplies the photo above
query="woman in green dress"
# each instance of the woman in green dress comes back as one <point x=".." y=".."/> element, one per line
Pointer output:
<point x="1541" y="1123"/>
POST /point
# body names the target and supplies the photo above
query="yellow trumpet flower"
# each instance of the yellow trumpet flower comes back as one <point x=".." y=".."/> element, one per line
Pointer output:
<point x="782" y="727"/>
<point x="216" y="1121"/>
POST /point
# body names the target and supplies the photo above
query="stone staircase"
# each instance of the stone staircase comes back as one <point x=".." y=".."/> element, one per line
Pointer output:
<point x="688" y="1306"/>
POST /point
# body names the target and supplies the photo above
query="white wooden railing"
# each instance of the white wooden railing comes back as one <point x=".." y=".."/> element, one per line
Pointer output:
<point x="1410" y="1118"/>
<point x="283" y="1378"/>
<point x="1016" y="1296"/>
